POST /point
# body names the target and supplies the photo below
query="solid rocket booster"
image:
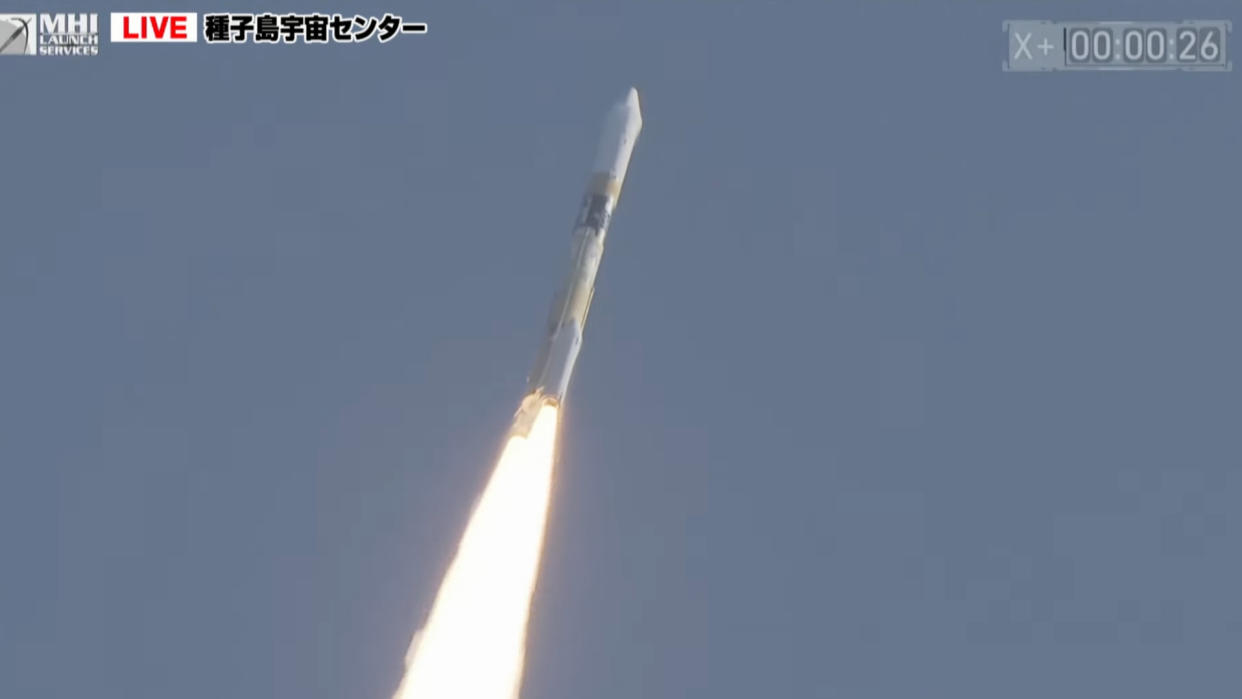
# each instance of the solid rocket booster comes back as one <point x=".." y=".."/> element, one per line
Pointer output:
<point x="554" y="366"/>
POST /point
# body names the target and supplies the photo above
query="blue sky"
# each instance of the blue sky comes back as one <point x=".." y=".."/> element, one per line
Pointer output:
<point x="904" y="376"/>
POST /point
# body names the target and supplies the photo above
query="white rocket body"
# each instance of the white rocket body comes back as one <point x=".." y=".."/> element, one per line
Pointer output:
<point x="549" y="381"/>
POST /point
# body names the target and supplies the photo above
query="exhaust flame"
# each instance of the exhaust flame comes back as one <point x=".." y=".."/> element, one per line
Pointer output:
<point x="474" y="642"/>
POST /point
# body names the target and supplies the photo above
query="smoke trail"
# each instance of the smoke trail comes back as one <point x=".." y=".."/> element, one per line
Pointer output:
<point x="474" y="642"/>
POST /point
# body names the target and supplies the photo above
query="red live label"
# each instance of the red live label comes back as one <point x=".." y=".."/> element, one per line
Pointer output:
<point x="154" y="26"/>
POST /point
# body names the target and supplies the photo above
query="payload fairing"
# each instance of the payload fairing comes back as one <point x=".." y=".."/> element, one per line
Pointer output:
<point x="554" y="366"/>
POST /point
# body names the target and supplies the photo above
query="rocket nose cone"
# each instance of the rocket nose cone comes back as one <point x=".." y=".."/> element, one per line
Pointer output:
<point x="631" y="101"/>
<point x="621" y="128"/>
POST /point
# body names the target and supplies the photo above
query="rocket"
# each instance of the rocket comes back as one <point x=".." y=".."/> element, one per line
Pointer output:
<point x="554" y="366"/>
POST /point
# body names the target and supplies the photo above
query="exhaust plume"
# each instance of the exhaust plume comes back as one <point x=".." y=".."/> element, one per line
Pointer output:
<point x="474" y="642"/>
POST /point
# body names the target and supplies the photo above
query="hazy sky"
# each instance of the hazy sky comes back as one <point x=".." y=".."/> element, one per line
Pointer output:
<point x="905" y="376"/>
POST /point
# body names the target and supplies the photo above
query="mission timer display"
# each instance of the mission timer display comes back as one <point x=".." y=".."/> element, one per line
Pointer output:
<point x="1046" y="45"/>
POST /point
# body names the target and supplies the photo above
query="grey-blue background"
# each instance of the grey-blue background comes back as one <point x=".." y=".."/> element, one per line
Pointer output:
<point x="905" y="376"/>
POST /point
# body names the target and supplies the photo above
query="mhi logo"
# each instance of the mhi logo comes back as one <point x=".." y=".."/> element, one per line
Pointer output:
<point x="65" y="34"/>
<point x="17" y="35"/>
